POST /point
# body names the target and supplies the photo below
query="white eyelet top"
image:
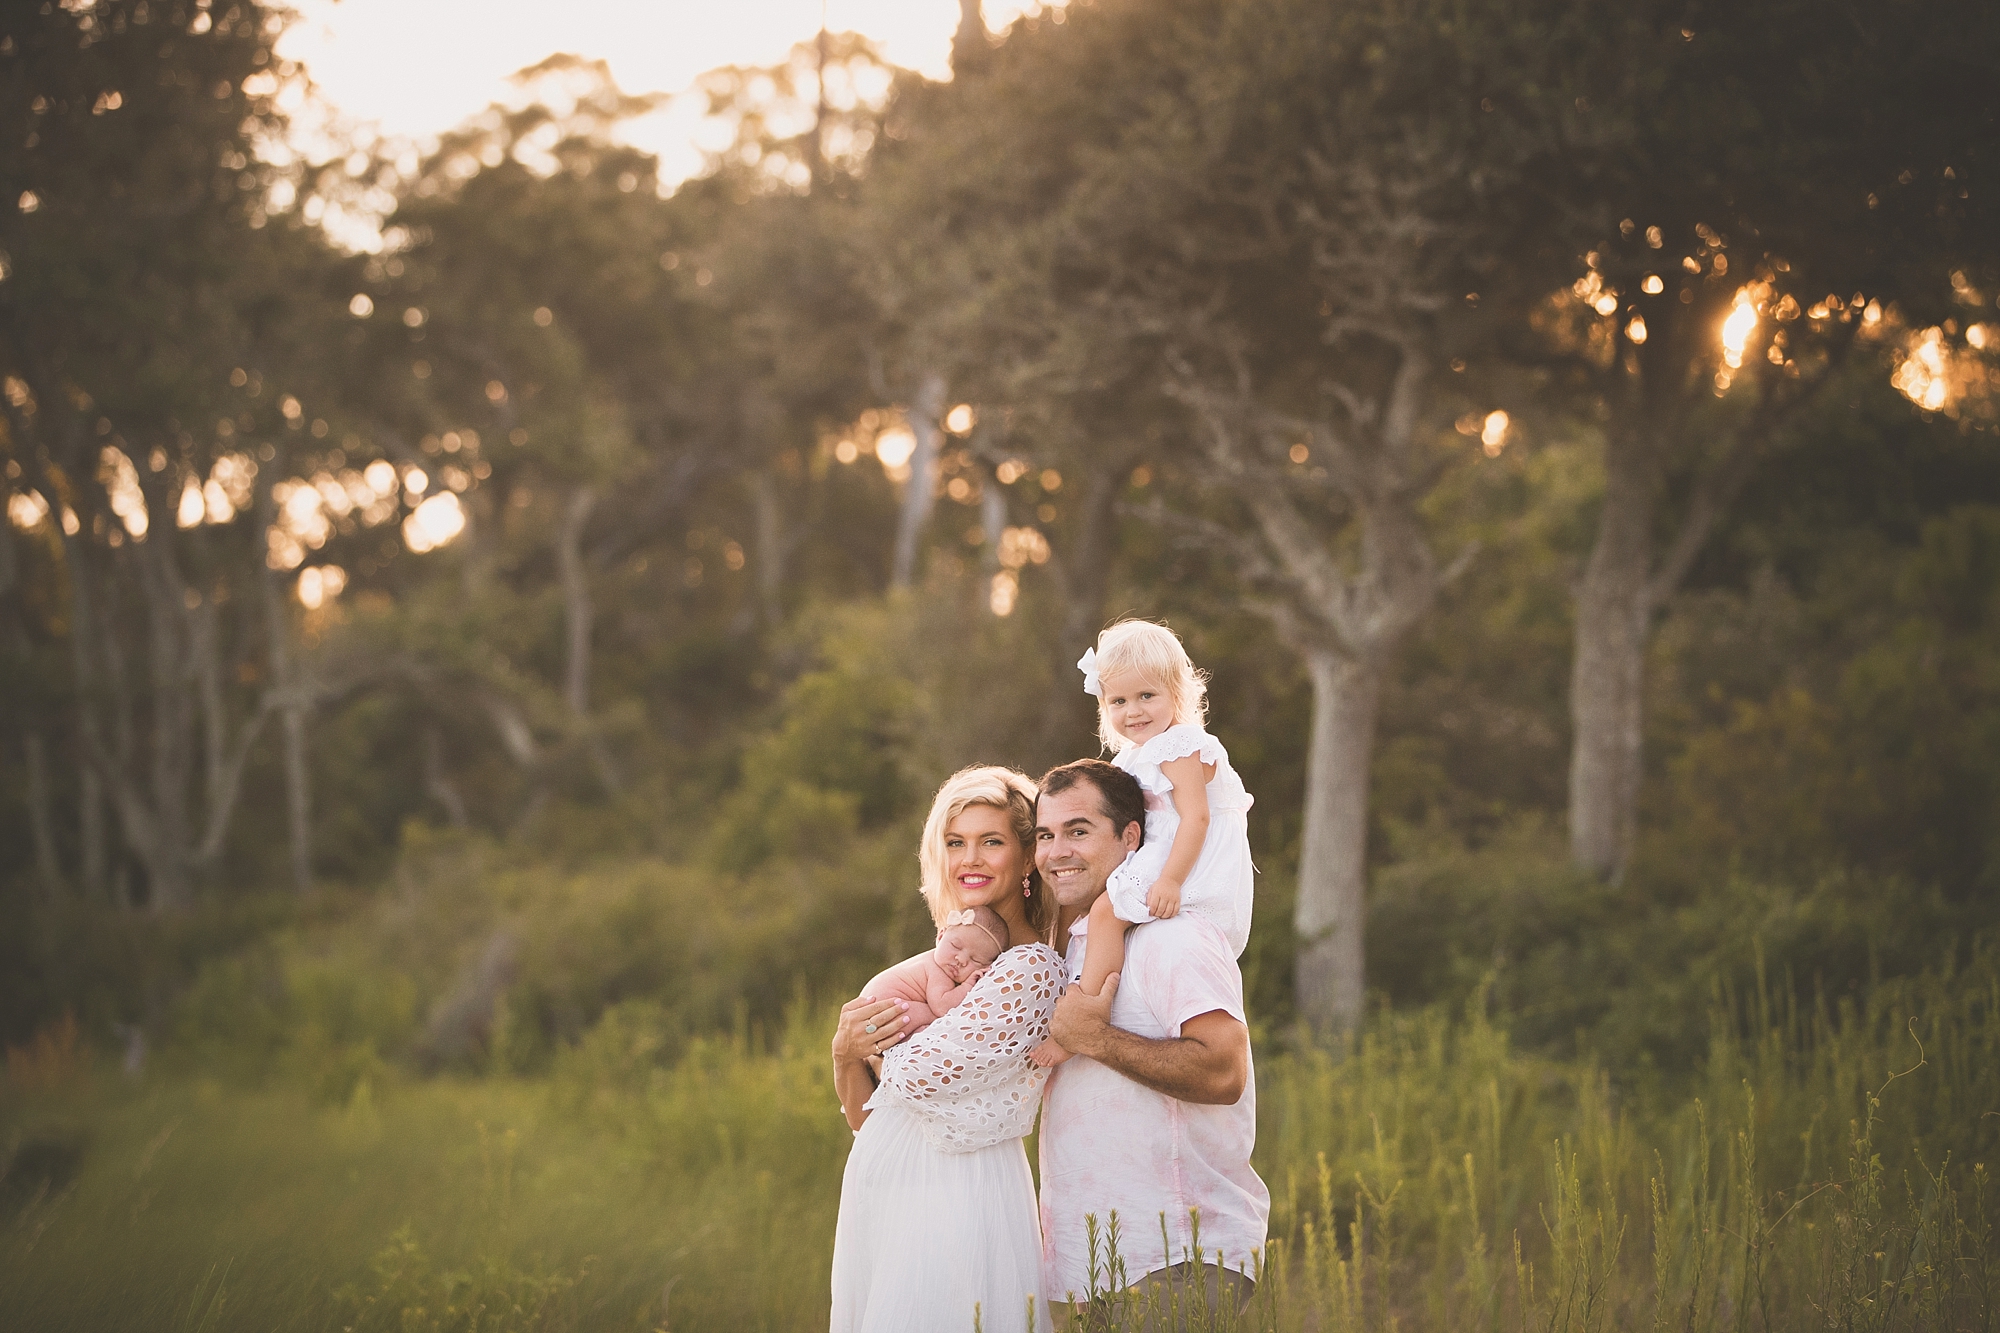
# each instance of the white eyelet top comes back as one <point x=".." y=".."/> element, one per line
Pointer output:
<point x="966" y="1077"/>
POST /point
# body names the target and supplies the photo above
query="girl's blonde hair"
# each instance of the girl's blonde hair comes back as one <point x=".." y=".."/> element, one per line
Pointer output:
<point x="1154" y="654"/>
<point x="1004" y="789"/>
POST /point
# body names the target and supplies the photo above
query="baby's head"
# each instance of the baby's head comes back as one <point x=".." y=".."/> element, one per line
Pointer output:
<point x="969" y="939"/>
<point x="1144" y="683"/>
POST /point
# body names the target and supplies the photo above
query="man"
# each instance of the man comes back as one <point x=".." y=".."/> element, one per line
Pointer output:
<point x="1156" y="1112"/>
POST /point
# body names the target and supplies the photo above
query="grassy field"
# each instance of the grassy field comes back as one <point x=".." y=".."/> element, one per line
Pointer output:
<point x="705" y="1201"/>
<point x="1827" y="1168"/>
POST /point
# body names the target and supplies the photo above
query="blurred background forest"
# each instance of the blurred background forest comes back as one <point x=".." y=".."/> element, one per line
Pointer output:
<point x="467" y="705"/>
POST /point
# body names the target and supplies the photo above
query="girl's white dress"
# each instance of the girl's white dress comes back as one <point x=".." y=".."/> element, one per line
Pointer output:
<point x="1222" y="882"/>
<point x="937" y="1208"/>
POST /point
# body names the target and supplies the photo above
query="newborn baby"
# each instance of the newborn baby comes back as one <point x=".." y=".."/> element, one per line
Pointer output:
<point x="967" y="943"/>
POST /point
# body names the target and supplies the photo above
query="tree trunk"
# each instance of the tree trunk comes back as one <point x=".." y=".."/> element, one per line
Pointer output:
<point x="577" y="610"/>
<point x="1607" y="682"/>
<point x="968" y="44"/>
<point x="1070" y="721"/>
<point x="163" y="837"/>
<point x="992" y="530"/>
<point x="1345" y="617"/>
<point x="920" y="492"/>
<point x="1330" y="914"/>
<point x="153" y="786"/>
<point x="815" y="145"/>
<point x="291" y="715"/>
<point x="33" y="753"/>
<point x="90" y="830"/>
<point x="173" y="810"/>
<point x="579" y="616"/>
<point x="769" y="511"/>
<point x="94" y="872"/>
<point x="436" y="784"/>
<point x="39" y="821"/>
<point x="298" y="796"/>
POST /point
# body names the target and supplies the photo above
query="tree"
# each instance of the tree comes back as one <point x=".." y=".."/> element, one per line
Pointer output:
<point x="142" y="251"/>
<point x="1747" y="221"/>
<point x="1253" y="244"/>
<point x="600" y="382"/>
<point x="962" y="243"/>
<point x="804" y="323"/>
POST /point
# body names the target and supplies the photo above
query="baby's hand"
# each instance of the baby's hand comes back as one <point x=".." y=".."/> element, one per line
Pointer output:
<point x="1163" y="899"/>
<point x="976" y="974"/>
<point x="1048" y="1055"/>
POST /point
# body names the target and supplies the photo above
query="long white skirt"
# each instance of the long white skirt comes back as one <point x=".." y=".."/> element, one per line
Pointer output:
<point x="924" y="1235"/>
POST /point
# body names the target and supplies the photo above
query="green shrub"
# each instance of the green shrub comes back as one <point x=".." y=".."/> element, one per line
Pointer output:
<point x="406" y="1293"/>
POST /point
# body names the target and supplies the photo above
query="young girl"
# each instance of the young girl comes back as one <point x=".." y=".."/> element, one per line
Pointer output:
<point x="968" y="942"/>
<point x="1196" y="853"/>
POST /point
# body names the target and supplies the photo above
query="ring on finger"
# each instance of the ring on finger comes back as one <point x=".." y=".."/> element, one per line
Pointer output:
<point x="869" y="1028"/>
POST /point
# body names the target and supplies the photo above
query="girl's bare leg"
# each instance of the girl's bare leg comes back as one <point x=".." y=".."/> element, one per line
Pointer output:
<point x="1104" y="947"/>
<point x="1103" y="954"/>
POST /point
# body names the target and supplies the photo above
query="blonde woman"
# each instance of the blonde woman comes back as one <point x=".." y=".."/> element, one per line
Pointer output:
<point x="937" y="1208"/>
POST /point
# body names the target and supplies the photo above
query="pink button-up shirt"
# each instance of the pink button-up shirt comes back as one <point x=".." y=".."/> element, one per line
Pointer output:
<point x="1109" y="1144"/>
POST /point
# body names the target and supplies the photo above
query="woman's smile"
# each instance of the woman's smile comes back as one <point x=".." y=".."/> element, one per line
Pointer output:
<point x="984" y="856"/>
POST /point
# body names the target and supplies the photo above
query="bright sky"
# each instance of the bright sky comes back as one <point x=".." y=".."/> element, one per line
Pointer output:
<point x="415" y="68"/>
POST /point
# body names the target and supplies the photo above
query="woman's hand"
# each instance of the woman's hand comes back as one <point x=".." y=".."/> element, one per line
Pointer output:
<point x="868" y="1027"/>
<point x="854" y="1043"/>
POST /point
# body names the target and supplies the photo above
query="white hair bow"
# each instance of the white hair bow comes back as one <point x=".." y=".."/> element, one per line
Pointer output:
<point x="962" y="917"/>
<point x="1087" y="664"/>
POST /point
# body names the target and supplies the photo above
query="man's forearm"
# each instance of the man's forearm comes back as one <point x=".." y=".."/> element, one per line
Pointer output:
<point x="1180" y="1067"/>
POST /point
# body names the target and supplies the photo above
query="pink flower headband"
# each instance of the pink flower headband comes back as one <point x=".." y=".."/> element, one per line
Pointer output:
<point x="964" y="917"/>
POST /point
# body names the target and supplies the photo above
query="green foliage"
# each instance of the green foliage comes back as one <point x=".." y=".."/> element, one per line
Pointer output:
<point x="406" y="1294"/>
<point x="324" y="1022"/>
<point x="1881" y="758"/>
<point x="834" y="765"/>
<point x="497" y="958"/>
<point x="758" y="726"/>
<point x="1826" y="1166"/>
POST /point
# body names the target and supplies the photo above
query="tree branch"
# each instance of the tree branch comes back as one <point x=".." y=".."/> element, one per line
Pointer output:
<point x="1718" y="486"/>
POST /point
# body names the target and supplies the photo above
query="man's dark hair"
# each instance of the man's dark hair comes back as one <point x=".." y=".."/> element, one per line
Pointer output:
<point x="1120" y="799"/>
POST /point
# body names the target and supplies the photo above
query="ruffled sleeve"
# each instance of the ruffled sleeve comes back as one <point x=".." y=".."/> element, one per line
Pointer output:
<point x="967" y="1075"/>
<point x="1177" y="743"/>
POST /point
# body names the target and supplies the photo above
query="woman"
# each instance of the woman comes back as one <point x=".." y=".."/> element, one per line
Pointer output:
<point x="937" y="1209"/>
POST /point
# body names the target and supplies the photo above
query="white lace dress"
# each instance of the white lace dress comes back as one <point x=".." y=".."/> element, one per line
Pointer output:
<point x="1222" y="882"/>
<point x="937" y="1208"/>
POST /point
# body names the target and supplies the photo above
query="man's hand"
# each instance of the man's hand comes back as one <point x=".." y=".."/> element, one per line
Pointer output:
<point x="1081" y="1019"/>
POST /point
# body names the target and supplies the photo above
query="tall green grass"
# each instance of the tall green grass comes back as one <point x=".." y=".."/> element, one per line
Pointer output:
<point x="1828" y="1166"/>
<point x="1827" y="1169"/>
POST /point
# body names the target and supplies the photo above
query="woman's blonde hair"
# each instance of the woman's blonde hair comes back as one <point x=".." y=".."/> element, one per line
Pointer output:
<point x="1003" y="789"/>
<point x="1154" y="654"/>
